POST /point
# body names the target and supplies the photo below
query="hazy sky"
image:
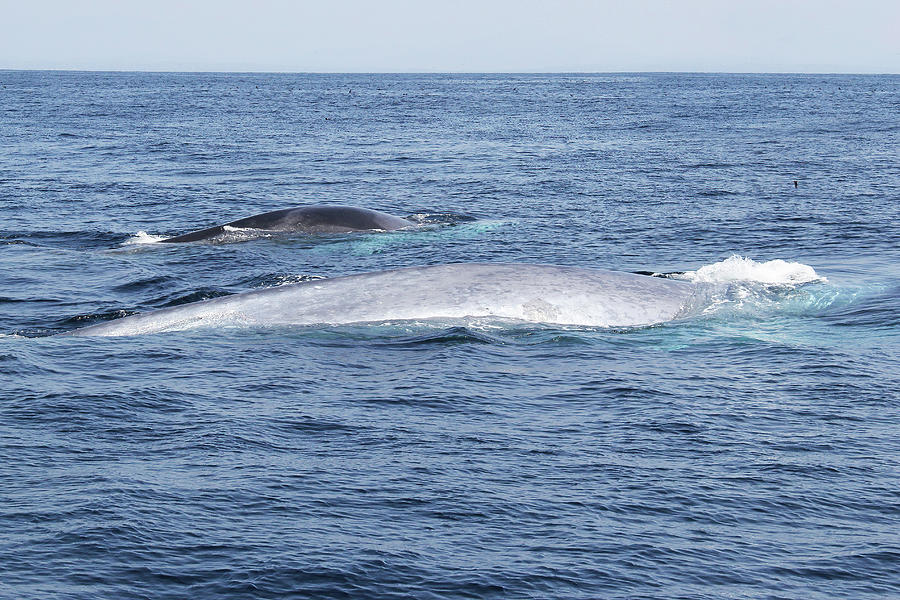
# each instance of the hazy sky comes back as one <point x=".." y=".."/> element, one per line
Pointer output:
<point x="858" y="36"/>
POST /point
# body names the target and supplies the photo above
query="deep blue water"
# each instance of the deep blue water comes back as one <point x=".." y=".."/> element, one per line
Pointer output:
<point x="748" y="452"/>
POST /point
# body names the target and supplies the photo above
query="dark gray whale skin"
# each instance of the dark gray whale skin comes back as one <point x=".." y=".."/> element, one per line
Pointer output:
<point x="305" y="219"/>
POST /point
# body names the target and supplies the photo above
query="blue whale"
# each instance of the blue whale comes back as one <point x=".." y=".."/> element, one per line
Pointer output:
<point x="521" y="292"/>
<point x="304" y="219"/>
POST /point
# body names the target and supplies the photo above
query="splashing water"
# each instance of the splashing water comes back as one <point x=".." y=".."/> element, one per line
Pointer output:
<point x="142" y="237"/>
<point x="740" y="287"/>
<point x="738" y="268"/>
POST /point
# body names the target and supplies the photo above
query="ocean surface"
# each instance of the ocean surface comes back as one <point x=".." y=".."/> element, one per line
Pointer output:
<point x="749" y="451"/>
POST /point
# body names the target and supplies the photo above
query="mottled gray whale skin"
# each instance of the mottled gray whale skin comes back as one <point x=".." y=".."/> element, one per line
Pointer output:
<point x="305" y="219"/>
<point x="522" y="292"/>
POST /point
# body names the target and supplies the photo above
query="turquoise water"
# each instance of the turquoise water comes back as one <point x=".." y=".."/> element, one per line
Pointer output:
<point x="747" y="451"/>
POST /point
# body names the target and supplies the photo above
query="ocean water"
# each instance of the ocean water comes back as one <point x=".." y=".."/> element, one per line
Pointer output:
<point x="750" y="451"/>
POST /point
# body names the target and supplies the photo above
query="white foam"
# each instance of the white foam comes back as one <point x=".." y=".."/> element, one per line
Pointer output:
<point x="291" y="279"/>
<point x="142" y="237"/>
<point x="738" y="268"/>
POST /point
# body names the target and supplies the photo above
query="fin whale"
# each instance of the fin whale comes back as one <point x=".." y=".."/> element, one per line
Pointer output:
<point x="305" y="219"/>
<point x="525" y="292"/>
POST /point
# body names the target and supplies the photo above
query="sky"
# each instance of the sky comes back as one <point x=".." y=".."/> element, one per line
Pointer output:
<point x="820" y="36"/>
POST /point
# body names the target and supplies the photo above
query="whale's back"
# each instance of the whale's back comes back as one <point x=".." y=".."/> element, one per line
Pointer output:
<point x="305" y="219"/>
<point x="533" y="293"/>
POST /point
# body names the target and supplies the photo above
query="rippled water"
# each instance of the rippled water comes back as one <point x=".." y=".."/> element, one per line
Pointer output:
<point x="749" y="451"/>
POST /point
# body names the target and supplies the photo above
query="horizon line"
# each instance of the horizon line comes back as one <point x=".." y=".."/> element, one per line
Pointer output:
<point x="449" y="72"/>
